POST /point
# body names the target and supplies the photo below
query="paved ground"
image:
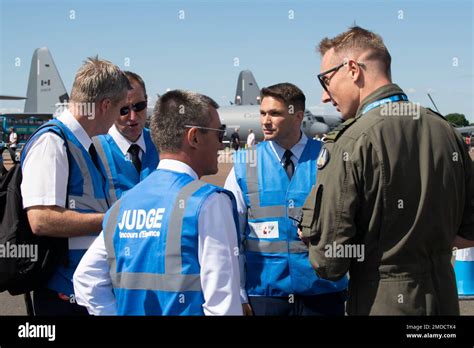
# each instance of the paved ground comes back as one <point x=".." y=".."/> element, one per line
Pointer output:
<point x="14" y="305"/>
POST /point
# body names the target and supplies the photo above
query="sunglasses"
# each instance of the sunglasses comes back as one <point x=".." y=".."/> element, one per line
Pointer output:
<point x="221" y="130"/>
<point x="324" y="80"/>
<point x="137" y="107"/>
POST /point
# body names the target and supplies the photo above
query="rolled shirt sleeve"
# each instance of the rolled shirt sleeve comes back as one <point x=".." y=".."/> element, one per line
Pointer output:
<point x="45" y="172"/>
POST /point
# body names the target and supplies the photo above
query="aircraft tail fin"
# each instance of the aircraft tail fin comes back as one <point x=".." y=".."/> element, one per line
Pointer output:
<point x="247" y="92"/>
<point x="45" y="87"/>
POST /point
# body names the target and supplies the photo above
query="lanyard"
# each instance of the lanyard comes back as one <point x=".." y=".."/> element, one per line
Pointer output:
<point x="393" y="98"/>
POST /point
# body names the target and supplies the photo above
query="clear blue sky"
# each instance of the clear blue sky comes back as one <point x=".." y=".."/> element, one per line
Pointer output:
<point x="198" y="53"/>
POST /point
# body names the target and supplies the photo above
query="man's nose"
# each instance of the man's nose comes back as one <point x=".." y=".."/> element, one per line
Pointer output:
<point x="326" y="97"/>
<point x="266" y="118"/>
<point x="133" y="115"/>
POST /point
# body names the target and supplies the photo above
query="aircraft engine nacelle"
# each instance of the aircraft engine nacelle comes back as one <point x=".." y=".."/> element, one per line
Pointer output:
<point x="318" y="128"/>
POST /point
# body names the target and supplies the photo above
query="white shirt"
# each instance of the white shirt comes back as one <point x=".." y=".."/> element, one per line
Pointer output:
<point x="217" y="243"/>
<point x="251" y="139"/>
<point x="13" y="139"/>
<point x="45" y="168"/>
<point x="124" y="144"/>
<point x="232" y="185"/>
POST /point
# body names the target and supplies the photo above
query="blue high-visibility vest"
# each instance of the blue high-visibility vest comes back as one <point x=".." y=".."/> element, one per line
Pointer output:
<point x="85" y="193"/>
<point x="151" y="238"/>
<point x="277" y="262"/>
<point x="120" y="173"/>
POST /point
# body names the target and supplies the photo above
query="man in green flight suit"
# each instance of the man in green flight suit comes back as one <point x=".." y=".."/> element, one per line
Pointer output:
<point x="395" y="186"/>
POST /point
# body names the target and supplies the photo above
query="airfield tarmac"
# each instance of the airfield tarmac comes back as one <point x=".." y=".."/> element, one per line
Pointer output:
<point x="14" y="305"/>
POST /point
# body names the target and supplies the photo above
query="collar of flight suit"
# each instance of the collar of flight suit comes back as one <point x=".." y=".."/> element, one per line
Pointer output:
<point x="379" y="93"/>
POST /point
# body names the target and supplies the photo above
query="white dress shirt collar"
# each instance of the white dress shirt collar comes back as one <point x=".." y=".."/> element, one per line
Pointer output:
<point x="123" y="143"/>
<point x="177" y="166"/>
<point x="297" y="149"/>
<point x="75" y="127"/>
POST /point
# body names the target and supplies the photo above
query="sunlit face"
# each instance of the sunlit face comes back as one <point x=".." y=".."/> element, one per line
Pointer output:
<point x="341" y="89"/>
<point x="132" y="124"/>
<point x="276" y="120"/>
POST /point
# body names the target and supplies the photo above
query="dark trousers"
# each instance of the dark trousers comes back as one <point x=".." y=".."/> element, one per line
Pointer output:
<point x="47" y="302"/>
<point x="331" y="304"/>
<point x="3" y="170"/>
<point x="12" y="151"/>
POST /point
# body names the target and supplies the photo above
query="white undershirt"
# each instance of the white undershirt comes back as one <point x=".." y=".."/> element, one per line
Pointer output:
<point x="251" y="139"/>
<point x="124" y="144"/>
<point x="13" y="139"/>
<point x="217" y="243"/>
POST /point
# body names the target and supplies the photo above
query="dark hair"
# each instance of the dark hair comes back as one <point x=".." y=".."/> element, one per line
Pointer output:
<point x="133" y="76"/>
<point x="173" y="111"/>
<point x="287" y="93"/>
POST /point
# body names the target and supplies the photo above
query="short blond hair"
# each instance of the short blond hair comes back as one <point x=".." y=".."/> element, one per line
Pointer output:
<point x="358" y="39"/>
<point x="97" y="79"/>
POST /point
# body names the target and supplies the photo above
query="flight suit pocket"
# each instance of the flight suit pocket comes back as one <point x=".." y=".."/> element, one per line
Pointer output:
<point x="311" y="210"/>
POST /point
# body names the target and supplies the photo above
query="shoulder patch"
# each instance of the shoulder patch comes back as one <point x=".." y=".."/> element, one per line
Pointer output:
<point x="323" y="158"/>
<point x="339" y="130"/>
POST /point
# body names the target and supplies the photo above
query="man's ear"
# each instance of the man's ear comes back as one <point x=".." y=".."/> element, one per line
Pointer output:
<point x="354" y="69"/>
<point x="300" y="115"/>
<point x="104" y="105"/>
<point x="193" y="137"/>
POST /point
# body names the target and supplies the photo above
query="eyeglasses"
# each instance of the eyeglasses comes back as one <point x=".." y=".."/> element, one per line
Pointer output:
<point x="324" y="80"/>
<point x="137" y="107"/>
<point x="221" y="130"/>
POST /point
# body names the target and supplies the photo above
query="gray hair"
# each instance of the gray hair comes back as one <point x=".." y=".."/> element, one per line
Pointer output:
<point x="173" y="111"/>
<point x="97" y="79"/>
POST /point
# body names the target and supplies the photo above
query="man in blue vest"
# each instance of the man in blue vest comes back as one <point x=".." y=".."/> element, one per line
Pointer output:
<point x="271" y="184"/>
<point x="62" y="187"/>
<point x="170" y="245"/>
<point x="127" y="151"/>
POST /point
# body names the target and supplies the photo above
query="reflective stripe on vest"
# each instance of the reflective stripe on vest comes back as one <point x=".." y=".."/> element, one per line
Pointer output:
<point x="261" y="246"/>
<point x="85" y="203"/>
<point x="120" y="173"/>
<point x="108" y="171"/>
<point x="256" y="211"/>
<point x="172" y="279"/>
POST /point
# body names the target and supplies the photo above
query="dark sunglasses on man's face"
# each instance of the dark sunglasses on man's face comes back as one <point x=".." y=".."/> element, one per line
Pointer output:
<point x="137" y="107"/>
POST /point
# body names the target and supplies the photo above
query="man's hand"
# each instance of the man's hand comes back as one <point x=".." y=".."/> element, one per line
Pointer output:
<point x="303" y="239"/>
<point x="247" y="309"/>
